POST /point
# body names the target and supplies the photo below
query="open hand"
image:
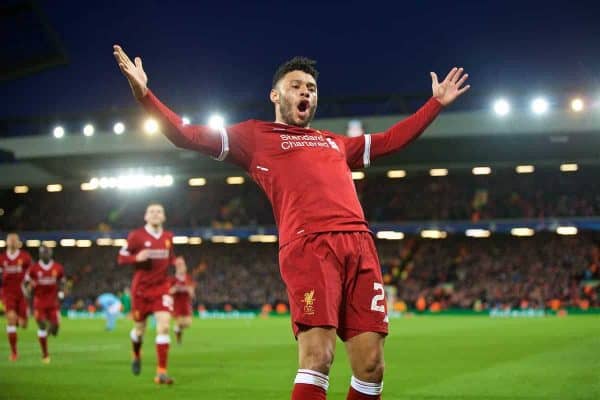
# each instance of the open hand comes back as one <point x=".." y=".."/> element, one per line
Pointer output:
<point x="134" y="72"/>
<point x="450" y="89"/>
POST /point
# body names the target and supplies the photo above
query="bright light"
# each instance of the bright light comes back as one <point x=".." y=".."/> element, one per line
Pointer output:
<point x="119" y="242"/>
<point x="126" y="182"/>
<point x="216" y="122"/>
<point x="482" y="171"/>
<point x="33" y="243"/>
<point x="150" y="126"/>
<point x="501" y="107"/>
<point x="195" y="240"/>
<point x="396" y="173"/>
<point x="358" y="175"/>
<point x="569" y="167"/>
<point x="84" y="243"/>
<point x="185" y="120"/>
<point x="2" y="243"/>
<point x="67" y="242"/>
<point x="433" y="234"/>
<point x="104" y="241"/>
<point x="478" y="233"/>
<point x="55" y="187"/>
<point x="180" y="240"/>
<point x="197" y="182"/>
<point x="539" y="106"/>
<point x="566" y="230"/>
<point x="438" y="172"/>
<point x="88" y="130"/>
<point x="577" y="105"/>
<point x="525" y="169"/>
<point x="390" y="235"/>
<point x="21" y="189"/>
<point x="522" y="232"/>
<point x="235" y="180"/>
<point x="263" y="238"/>
<point x="225" y="239"/>
<point x="1" y="212"/>
<point x="49" y="243"/>
<point x="86" y="186"/>
<point x="119" y="128"/>
<point x="58" y="132"/>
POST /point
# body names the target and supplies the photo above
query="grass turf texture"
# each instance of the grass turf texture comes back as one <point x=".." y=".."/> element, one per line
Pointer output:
<point x="429" y="358"/>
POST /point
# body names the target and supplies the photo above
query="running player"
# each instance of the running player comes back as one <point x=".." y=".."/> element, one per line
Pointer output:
<point x="150" y="250"/>
<point x="111" y="306"/>
<point x="14" y="263"/>
<point x="182" y="290"/>
<point x="327" y="254"/>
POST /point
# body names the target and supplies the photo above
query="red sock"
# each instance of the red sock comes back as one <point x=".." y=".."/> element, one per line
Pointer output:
<point x="360" y="390"/>
<point x="310" y="385"/>
<point x="12" y="338"/>
<point x="136" y="343"/>
<point x="43" y="339"/>
<point x="162" y="351"/>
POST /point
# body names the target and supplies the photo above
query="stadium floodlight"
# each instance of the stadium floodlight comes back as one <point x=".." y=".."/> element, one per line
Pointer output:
<point x="195" y="240"/>
<point x="119" y="242"/>
<point x="180" y="240"/>
<point x="525" y="169"/>
<point x="119" y="128"/>
<point x="225" y="239"/>
<point x="263" y="238"/>
<point x="83" y="243"/>
<point x="235" y="180"/>
<point x="577" y="104"/>
<point x="567" y="230"/>
<point x="185" y="120"/>
<point x="21" y="189"/>
<point x="87" y="186"/>
<point x="482" y="171"/>
<point x="478" y="233"/>
<point x="33" y="243"/>
<point x="58" y="132"/>
<point x="150" y="126"/>
<point x="104" y="241"/>
<point x="569" y="167"/>
<point x="88" y="130"/>
<point x="197" y="181"/>
<point x="2" y="243"/>
<point x="216" y="122"/>
<point x="390" y="235"/>
<point x="540" y="106"/>
<point x="438" y="172"/>
<point x="522" y="232"/>
<point x="54" y="187"/>
<point x="49" y="243"/>
<point x="433" y="234"/>
<point x="396" y="173"/>
<point x="358" y="175"/>
<point x="67" y="242"/>
<point x="501" y="107"/>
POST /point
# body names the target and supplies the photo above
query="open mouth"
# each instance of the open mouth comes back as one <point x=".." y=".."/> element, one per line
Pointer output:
<point x="303" y="106"/>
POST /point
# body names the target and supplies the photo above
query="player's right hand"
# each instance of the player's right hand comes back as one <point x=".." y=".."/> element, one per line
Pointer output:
<point x="133" y="72"/>
<point x="142" y="256"/>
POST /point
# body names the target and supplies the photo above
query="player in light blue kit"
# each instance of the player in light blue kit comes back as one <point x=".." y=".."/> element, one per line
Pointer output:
<point x="111" y="305"/>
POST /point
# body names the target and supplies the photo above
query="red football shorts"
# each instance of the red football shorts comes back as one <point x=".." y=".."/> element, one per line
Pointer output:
<point x="144" y="306"/>
<point x="16" y="303"/>
<point x="182" y="308"/>
<point x="334" y="279"/>
<point x="50" y="314"/>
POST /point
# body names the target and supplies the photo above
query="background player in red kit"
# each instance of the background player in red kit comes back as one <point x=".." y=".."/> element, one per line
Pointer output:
<point x="182" y="290"/>
<point x="14" y="263"/>
<point x="47" y="278"/>
<point x="327" y="253"/>
<point x="150" y="250"/>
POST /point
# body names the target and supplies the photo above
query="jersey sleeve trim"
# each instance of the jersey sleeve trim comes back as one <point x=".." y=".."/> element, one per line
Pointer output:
<point x="224" y="144"/>
<point x="367" y="151"/>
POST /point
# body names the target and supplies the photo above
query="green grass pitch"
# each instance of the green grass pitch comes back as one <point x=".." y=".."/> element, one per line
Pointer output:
<point x="427" y="358"/>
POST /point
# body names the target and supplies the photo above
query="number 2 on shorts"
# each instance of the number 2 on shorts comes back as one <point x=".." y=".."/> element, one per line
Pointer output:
<point x="378" y="297"/>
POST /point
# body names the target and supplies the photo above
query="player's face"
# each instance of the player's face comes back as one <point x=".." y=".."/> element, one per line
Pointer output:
<point x="12" y="241"/>
<point x="180" y="267"/>
<point x="155" y="215"/>
<point x="45" y="253"/>
<point x="296" y="98"/>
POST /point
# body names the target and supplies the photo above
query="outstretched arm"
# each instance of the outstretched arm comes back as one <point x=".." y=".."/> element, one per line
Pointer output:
<point x="192" y="137"/>
<point x="402" y="133"/>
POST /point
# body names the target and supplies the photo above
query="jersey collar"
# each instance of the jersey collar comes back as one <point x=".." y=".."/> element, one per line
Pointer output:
<point x="13" y="256"/>
<point x="45" y="266"/>
<point x="153" y="233"/>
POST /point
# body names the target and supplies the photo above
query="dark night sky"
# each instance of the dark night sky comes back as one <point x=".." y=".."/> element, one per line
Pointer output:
<point x="197" y="52"/>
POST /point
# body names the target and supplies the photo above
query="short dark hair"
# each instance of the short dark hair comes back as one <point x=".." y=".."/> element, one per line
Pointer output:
<point x="296" y="64"/>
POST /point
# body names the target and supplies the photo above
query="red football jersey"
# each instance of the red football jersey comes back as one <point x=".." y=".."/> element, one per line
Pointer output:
<point x="45" y="279"/>
<point x="305" y="173"/>
<point x="151" y="277"/>
<point x="14" y="267"/>
<point x="181" y="284"/>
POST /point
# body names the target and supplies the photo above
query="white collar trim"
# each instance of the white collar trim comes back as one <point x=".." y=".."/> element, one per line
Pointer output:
<point x="153" y="233"/>
<point x="45" y="266"/>
<point x="13" y="256"/>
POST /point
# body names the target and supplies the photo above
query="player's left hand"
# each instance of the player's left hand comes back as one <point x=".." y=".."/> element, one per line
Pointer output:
<point x="450" y="88"/>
